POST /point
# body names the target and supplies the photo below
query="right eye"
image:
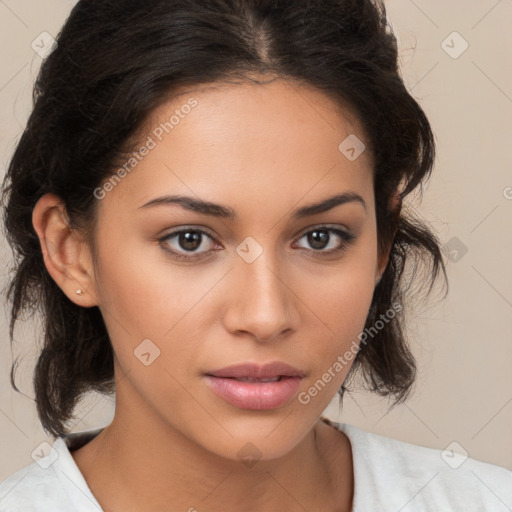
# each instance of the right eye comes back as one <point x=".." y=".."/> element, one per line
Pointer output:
<point x="186" y="240"/>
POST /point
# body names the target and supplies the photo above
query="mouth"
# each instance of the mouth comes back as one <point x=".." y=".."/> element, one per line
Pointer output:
<point x="257" y="373"/>
<point x="255" y="394"/>
<point x="249" y="386"/>
<point x="254" y="379"/>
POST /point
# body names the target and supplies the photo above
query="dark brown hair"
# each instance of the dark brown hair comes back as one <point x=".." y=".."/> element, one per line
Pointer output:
<point x="116" y="61"/>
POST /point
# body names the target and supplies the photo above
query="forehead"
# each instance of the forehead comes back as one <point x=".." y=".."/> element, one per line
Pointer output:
<point x="279" y="141"/>
<point x="253" y="110"/>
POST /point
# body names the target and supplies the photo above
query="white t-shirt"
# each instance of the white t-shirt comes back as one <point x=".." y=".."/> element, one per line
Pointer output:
<point x="389" y="476"/>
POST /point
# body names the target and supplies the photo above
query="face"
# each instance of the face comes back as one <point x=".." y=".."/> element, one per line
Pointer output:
<point x="185" y="293"/>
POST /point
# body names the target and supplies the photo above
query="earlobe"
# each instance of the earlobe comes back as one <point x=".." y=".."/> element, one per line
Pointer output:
<point x="62" y="251"/>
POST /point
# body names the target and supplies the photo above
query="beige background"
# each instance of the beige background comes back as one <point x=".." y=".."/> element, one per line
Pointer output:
<point x="463" y="344"/>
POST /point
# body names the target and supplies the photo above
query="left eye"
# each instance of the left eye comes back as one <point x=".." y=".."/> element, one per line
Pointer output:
<point x="189" y="240"/>
<point x="318" y="237"/>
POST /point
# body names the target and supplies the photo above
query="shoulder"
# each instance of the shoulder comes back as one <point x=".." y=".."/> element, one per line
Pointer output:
<point x="29" y="489"/>
<point x="412" y="477"/>
<point x="51" y="484"/>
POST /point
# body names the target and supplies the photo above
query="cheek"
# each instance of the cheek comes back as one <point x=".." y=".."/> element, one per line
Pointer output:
<point x="127" y="282"/>
<point x="136" y="286"/>
<point x="343" y="314"/>
<point x="333" y="346"/>
<point x="346" y="290"/>
<point x="345" y="303"/>
<point x="145" y="296"/>
<point x="340" y="307"/>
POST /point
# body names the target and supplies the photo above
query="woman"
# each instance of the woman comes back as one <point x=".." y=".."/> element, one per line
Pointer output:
<point x="207" y="204"/>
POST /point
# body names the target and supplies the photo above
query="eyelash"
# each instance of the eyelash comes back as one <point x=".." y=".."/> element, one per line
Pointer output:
<point x="347" y="237"/>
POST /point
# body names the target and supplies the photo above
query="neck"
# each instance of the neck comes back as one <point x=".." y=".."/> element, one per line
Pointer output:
<point x="139" y="463"/>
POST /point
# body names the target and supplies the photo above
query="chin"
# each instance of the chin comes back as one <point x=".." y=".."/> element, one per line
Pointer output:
<point x="252" y="440"/>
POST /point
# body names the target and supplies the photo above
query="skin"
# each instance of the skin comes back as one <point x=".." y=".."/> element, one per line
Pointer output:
<point x="263" y="150"/>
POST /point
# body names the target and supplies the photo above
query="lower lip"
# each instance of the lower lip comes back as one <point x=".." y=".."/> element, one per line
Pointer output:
<point x="254" y="395"/>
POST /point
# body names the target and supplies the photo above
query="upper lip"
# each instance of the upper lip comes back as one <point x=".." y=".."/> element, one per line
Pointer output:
<point x="265" y="371"/>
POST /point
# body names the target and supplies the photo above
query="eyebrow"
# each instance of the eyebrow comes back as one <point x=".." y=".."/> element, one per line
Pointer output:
<point x="217" y="210"/>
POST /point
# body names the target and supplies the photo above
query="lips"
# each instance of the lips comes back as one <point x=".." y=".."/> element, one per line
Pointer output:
<point x="255" y="379"/>
<point x="251" y="386"/>
<point x="254" y="372"/>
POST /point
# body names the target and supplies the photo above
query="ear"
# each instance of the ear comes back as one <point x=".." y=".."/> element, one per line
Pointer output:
<point x="395" y="206"/>
<point x="67" y="259"/>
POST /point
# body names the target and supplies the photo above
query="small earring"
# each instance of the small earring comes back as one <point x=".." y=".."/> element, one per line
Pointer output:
<point x="80" y="292"/>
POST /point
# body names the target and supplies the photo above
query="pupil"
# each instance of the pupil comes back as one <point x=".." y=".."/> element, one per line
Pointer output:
<point x="318" y="239"/>
<point x="190" y="239"/>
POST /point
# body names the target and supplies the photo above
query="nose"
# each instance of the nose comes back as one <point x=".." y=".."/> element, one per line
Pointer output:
<point x="262" y="303"/>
